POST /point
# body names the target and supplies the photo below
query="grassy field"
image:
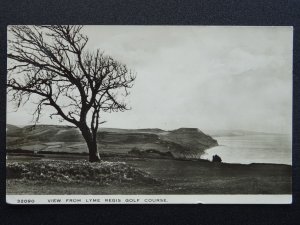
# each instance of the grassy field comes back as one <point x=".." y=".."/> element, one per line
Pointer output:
<point x="175" y="177"/>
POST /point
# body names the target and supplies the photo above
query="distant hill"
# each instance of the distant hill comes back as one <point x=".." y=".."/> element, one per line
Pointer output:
<point x="183" y="142"/>
<point x="12" y="130"/>
<point x="230" y="133"/>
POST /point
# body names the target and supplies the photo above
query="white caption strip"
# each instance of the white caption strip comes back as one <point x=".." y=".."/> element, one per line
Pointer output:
<point x="148" y="199"/>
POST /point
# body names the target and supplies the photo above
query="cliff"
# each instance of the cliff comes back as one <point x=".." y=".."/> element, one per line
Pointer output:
<point x="183" y="142"/>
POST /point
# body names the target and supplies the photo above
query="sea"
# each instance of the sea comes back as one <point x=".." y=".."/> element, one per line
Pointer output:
<point x="253" y="148"/>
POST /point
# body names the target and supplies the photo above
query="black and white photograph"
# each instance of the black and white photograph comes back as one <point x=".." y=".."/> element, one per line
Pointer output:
<point x="119" y="114"/>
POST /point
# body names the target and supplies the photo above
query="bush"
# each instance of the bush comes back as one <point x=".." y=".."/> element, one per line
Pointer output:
<point x="216" y="158"/>
<point x="135" y="151"/>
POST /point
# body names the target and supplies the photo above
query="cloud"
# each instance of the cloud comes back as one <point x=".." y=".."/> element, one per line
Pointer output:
<point x="199" y="76"/>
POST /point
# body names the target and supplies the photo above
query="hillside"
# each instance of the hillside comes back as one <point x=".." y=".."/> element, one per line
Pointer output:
<point x="181" y="143"/>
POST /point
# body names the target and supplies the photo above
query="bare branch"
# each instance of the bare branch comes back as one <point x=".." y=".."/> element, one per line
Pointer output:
<point x="51" y="63"/>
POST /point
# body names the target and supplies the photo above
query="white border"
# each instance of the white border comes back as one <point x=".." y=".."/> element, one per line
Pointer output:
<point x="147" y="199"/>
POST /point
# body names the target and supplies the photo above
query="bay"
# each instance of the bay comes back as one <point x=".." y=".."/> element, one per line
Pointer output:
<point x="254" y="148"/>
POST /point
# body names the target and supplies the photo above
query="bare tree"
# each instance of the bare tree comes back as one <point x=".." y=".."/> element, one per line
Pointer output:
<point x="50" y="65"/>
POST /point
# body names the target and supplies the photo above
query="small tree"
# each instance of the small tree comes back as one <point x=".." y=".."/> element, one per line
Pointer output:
<point x="50" y="65"/>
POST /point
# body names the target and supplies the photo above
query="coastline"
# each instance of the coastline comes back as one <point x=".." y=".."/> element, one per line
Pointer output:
<point x="253" y="148"/>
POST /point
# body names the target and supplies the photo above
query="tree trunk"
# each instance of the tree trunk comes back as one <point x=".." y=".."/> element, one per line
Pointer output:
<point x="93" y="151"/>
<point x="91" y="144"/>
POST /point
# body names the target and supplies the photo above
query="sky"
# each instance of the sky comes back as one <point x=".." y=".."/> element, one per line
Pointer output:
<point x="207" y="77"/>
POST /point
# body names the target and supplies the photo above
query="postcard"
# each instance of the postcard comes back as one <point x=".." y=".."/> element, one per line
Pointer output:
<point x="149" y="114"/>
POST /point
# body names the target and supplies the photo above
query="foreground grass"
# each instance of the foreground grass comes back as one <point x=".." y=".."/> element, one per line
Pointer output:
<point x="32" y="188"/>
<point x="153" y="176"/>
